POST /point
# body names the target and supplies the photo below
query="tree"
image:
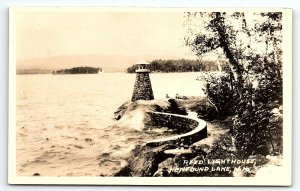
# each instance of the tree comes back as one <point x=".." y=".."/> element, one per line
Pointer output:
<point x="178" y="65"/>
<point x="246" y="46"/>
<point x="252" y="84"/>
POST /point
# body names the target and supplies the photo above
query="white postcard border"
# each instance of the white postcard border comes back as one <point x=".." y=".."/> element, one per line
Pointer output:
<point x="283" y="180"/>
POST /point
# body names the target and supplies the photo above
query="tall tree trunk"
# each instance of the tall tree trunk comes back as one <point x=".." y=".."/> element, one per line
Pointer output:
<point x="236" y="68"/>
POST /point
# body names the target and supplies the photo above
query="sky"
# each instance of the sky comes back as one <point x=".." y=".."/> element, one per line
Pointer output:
<point x="55" y="32"/>
<point x="114" y="39"/>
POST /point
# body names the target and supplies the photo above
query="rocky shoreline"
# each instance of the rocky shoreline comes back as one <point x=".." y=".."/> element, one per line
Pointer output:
<point x="173" y="158"/>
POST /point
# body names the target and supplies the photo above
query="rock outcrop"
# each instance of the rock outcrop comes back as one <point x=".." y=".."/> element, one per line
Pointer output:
<point x="145" y="159"/>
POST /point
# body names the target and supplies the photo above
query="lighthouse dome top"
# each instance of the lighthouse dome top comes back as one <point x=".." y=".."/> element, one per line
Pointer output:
<point x="142" y="62"/>
<point x="142" y="66"/>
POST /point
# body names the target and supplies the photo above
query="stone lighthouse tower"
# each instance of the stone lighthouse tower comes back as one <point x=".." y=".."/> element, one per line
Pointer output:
<point x="142" y="86"/>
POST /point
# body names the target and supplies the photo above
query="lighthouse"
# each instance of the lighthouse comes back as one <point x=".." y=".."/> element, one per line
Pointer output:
<point x="142" y="86"/>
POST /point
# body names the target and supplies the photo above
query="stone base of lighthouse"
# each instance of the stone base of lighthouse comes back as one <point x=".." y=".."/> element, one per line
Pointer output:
<point x="142" y="87"/>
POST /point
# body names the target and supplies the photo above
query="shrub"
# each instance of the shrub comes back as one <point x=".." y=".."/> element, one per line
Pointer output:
<point x="219" y="90"/>
<point x="257" y="129"/>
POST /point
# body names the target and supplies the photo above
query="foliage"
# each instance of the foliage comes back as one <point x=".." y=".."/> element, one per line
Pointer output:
<point x="251" y="87"/>
<point x="257" y="131"/>
<point x="180" y="65"/>
<point x="220" y="92"/>
<point x="79" y="70"/>
<point x="174" y="108"/>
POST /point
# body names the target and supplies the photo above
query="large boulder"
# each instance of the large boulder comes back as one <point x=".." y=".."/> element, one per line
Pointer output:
<point x="134" y="114"/>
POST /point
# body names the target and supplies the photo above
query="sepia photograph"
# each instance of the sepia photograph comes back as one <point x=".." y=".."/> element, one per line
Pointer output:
<point x="152" y="96"/>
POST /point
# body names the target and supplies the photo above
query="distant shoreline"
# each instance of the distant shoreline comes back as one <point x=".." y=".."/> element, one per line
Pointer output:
<point x="180" y="65"/>
<point x="33" y="71"/>
<point x="154" y="72"/>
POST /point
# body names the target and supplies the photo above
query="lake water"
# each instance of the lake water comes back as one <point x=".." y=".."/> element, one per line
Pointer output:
<point x="62" y="120"/>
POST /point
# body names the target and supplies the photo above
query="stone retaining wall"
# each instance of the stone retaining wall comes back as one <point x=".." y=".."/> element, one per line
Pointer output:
<point x="193" y="129"/>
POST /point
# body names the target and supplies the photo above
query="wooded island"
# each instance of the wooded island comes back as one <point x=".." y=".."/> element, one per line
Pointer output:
<point x="79" y="70"/>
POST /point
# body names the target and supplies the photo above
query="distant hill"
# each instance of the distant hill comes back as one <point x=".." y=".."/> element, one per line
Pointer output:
<point x="33" y="71"/>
